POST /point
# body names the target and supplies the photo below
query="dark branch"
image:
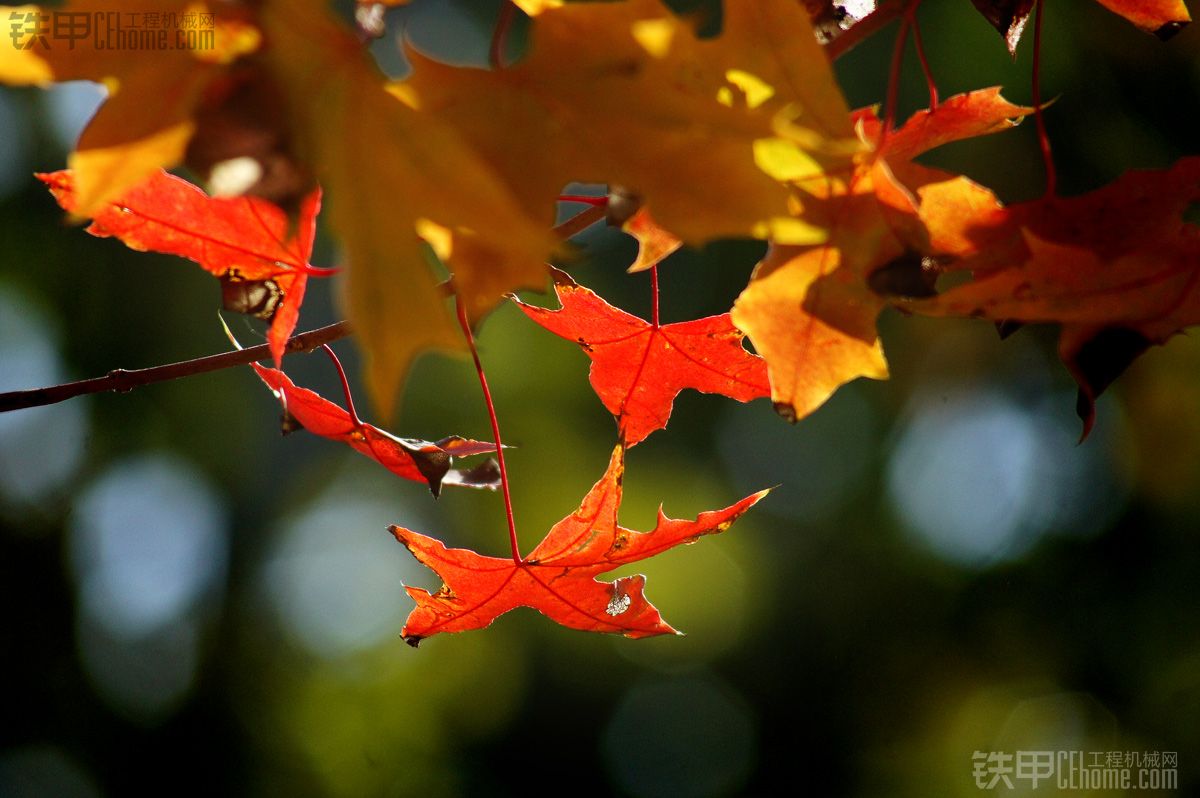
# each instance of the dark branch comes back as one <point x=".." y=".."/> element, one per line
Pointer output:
<point x="120" y="380"/>
<point x="885" y="12"/>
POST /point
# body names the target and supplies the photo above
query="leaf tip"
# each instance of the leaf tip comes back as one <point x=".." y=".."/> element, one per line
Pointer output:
<point x="560" y="278"/>
<point x="1096" y="361"/>
<point x="1168" y="31"/>
<point x="786" y="411"/>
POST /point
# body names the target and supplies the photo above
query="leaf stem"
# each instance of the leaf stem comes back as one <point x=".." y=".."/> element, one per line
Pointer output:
<point x="504" y="21"/>
<point x="654" y="295"/>
<point x="491" y="408"/>
<point x="1043" y="136"/>
<point x="893" y="89"/>
<point x="337" y="364"/>
<point x="122" y="380"/>
<point x="925" y="68"/>
<point x="585" y="199"/>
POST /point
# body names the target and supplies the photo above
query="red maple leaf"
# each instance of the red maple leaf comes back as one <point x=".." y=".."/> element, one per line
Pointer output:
<point x="420" y="461"/>
<point x="248" y="242"/>
<point x="639" y="367"/>
<point x="558" y="579"/>
<point x="1116" y="268"/>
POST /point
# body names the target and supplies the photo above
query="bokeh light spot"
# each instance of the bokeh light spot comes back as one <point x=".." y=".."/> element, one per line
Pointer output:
<point x="70" y="107"/>
<point x="37" y="771"/>
<point x="335" y="577"/>
<point x="978" y="478"/>
<point x="148" y="542"/>
<point x="144" y="678"/>
<point x="40" y="447"/>
<point x="689" y="737"/>
<point x="14" y="132"/>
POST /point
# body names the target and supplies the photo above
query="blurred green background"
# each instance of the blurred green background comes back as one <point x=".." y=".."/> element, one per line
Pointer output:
<point x="195" y="605"/>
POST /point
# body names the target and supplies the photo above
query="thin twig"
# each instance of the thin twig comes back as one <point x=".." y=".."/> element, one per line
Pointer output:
<point x="1038" y="108"/>
<point x="925" y="68"/>
<point x="654" y="293"/>
<point x="504" y="22"/>
<point x="580" y="221"/>
<point x="893" y="88"/>
<point x="122" y="380"/>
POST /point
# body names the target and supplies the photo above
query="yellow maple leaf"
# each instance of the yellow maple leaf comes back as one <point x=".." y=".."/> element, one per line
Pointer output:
<point x="808" y="310"/>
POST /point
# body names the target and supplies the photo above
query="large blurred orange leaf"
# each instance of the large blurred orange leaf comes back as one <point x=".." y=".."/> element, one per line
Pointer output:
<point x="393" y="172"/>
<point x="707" y="131"/>
<point x="558" y="578"/>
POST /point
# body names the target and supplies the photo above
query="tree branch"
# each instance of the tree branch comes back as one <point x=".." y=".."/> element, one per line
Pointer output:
<point x="884" y="12"/>
<point x="121" y="380"/>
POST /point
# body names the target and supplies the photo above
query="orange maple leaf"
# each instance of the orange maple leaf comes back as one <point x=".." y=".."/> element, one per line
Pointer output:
<point x="247" y="242"/>
<point x="718" y="112"/>
<point x="654" y="243"/>
<point x="558" y="578"/>
<point x="639" y="367"/>
<point x="811" y="310"/>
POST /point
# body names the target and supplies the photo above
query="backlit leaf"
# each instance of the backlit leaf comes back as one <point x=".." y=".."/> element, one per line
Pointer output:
<point x="638" y="368"/>
<point x="246" y="241"/>
<point x="409" y="458"/>
<point x="558" y="578"/>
